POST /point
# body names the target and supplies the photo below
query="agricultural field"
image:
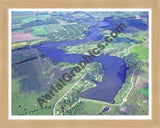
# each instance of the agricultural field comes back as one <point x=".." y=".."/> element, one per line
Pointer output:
<point x="28" y="19"/>
<point x="51" y="28"/>
<point x="18" y="45"/>
<point x="144" y="91"/>
<point x="140" y="52"/>
<point x="39" y="31"/>
<point x="20" y="36"/>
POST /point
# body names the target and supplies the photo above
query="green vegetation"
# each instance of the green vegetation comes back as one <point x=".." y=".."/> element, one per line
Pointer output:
<point x="92" y="107"/>
<point x="15" y="84"/>
<point x="17" y="57"/>
<point x="18" y="45"/>
<point x="133" y="43"/>
<point x="43" y="17"/>
<point x="95" y="70"/>
<point x="142" y="38"/>
<point x="28" y="19"/>
<point x="41" y="22"/>
<point x="39" y="31"/>
<point x="140" y="52"/>
<point x="52" y="28"/>
<point x="16" y="28"/>
<point x="145" y="91"/>
<point x="28" y="77"/>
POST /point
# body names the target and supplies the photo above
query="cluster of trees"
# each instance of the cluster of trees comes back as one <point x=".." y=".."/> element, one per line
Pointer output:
<point x="67" y="103"/>
<point x="70" y="100"/>
<point x="74" y="110"/>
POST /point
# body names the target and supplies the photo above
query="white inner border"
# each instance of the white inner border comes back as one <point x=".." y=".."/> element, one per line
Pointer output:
<point x="96" y="117"/>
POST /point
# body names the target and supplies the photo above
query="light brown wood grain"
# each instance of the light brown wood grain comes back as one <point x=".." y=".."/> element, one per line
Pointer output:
<point x="6" y="4"/>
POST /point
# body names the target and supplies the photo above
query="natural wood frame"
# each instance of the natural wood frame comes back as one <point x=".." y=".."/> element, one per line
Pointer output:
<point x="4" y="8"/>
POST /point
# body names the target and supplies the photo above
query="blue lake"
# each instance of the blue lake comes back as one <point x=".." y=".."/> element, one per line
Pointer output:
<point x="114" y="67"/>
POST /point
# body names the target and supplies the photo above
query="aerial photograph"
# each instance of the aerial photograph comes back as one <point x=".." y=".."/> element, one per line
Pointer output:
<point x="79" y="62"/>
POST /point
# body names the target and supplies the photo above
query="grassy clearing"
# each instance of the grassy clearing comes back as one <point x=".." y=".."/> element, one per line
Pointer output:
<point x="53" y="28"/>
<point x="28" y="19"/>
<point x="92" y="107"/>
<point x="25" y="103"/>
<point x="39" y="31"/>
<point x="140" y="52"/>
<point x="145" y="91"/>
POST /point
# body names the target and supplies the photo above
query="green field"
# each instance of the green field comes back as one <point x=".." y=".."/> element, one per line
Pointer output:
<point x="92" y="107"/>
<point x="28" y="19"/>
<point x="17" y="57"/>
<point x="140" y="52"/>
<point x="15" y="84"/>
<point x="145" y="91"/>
<point x="133" y="43"/>
<point x="18" y="45"/>
<point x="51" y="28"/>
<point x="43" y="17"/>
<point x="28" y="75"/>
<point x="39" y="31"/>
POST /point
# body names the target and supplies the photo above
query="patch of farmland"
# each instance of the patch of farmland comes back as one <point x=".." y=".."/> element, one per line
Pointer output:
<point x="41" y="22"/>
<point x="140" y="52"/>
<point x="17" y="57"/>
<point x="53" y="28"/>
<point x="23" y="13"/>
<point x="39" y="31"/>
<point x="42" y="16"/>
<point x="16" y="27"/>
<point x="16" y="21"/>
<point x="18" y="45"/>
<point x="27" y="30"/>
<point x="28" y="75"/>
<point x="92" y="107"/>
<point x="20" y="36"/>
<point x="68" y="32"/>
<point x="28" y="19"/>
<point x="26" y="53"/>
<point x="145" y="91"/>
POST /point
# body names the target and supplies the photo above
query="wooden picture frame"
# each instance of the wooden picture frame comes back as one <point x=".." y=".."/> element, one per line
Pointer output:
<point x="4" y="63"/>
